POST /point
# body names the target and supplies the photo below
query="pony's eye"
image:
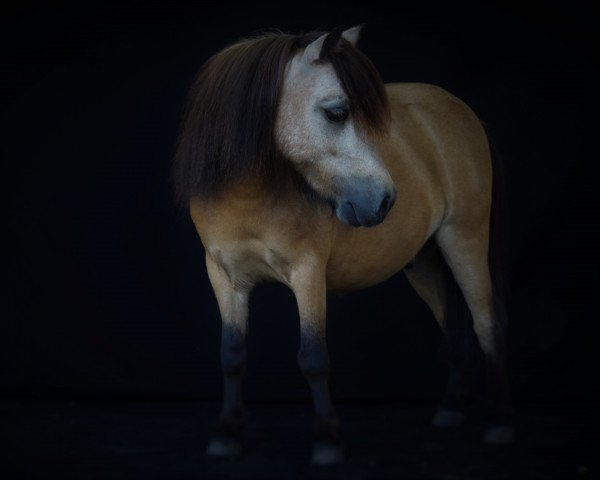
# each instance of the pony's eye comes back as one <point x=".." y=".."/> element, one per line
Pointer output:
<point x="337" y="114"/>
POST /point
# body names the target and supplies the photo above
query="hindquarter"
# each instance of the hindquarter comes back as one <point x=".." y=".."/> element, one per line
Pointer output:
<point x="450" y="143"/>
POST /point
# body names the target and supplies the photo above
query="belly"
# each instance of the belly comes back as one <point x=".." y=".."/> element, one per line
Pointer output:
<point x="370" y="256"/>
<point x="362" y="257"/>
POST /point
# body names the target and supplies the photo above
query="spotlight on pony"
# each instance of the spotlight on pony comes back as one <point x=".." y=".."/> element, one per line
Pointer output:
<point x="300" y="166"/>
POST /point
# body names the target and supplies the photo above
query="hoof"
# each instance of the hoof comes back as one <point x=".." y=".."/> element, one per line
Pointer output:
<point x="223" y="447"/>
<point x="326" y="453"/>
<point x="447" y="418"/>
<point x="499" y="435"/>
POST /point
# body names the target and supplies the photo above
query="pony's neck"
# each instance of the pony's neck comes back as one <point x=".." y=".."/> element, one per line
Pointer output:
<point x="258" y="191"/>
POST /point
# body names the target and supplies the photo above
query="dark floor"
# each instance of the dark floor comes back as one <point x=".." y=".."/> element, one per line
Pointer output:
<point x="167" y="440"/>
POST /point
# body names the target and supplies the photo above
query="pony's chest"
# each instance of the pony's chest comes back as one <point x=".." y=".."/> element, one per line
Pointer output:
<point x="255" y="241"/>
<point x="248" y="261"/>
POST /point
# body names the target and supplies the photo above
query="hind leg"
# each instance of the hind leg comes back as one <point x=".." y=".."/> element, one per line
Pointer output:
<point x="465" y="249"/>
<point x="430" y="277"/>
<point x="426" y="275"/>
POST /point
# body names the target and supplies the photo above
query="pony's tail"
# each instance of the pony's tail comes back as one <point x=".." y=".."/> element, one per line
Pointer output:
<point x="499" y="251"/>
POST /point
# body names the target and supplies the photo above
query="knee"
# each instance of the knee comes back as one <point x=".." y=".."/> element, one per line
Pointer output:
<point x="233" y="364"/>
<point x="314" y="361"/>
<point x="233" y="353"/>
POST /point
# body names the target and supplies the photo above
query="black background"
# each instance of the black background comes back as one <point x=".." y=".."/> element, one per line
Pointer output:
<point x="106" y="294"/>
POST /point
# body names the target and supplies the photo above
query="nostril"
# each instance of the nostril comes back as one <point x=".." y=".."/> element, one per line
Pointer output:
<point x="385" y="206"/>
<point x="392" y="199"/>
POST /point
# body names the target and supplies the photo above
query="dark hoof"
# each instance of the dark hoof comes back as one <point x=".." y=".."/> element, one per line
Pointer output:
<point x="223" y="447"/>
<point x="327" y="453"/>
<point x="499" y="435"/>
<point x="447" y="418"/>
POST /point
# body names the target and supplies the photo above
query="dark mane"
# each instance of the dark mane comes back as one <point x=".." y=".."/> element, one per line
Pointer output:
<point x="229" y="119"/>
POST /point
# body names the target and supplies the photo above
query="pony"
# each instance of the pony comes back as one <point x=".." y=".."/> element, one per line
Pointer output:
<point x="300" y="166"/>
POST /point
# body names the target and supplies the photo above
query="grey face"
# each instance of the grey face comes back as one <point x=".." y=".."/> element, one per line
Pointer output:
<point x="316" y="131"/>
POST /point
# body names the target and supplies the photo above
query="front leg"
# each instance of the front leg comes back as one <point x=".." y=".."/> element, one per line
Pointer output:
<point x="308" y="284"/>
<point x="233" y="305"/>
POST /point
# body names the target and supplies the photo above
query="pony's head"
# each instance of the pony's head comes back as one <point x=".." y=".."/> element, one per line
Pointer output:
<point x="331" y="109"/>
<point x="309" y="106"/>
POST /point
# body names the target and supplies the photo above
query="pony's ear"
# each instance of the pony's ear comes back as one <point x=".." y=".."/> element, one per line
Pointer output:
<point x="353" y="33"/>
<point x="312" y="53"/>
<point x="330" y="41"/>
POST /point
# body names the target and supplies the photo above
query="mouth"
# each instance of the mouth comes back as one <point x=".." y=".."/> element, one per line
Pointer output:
<point x="364" y="207"/>
<point x="346" y="213"/>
